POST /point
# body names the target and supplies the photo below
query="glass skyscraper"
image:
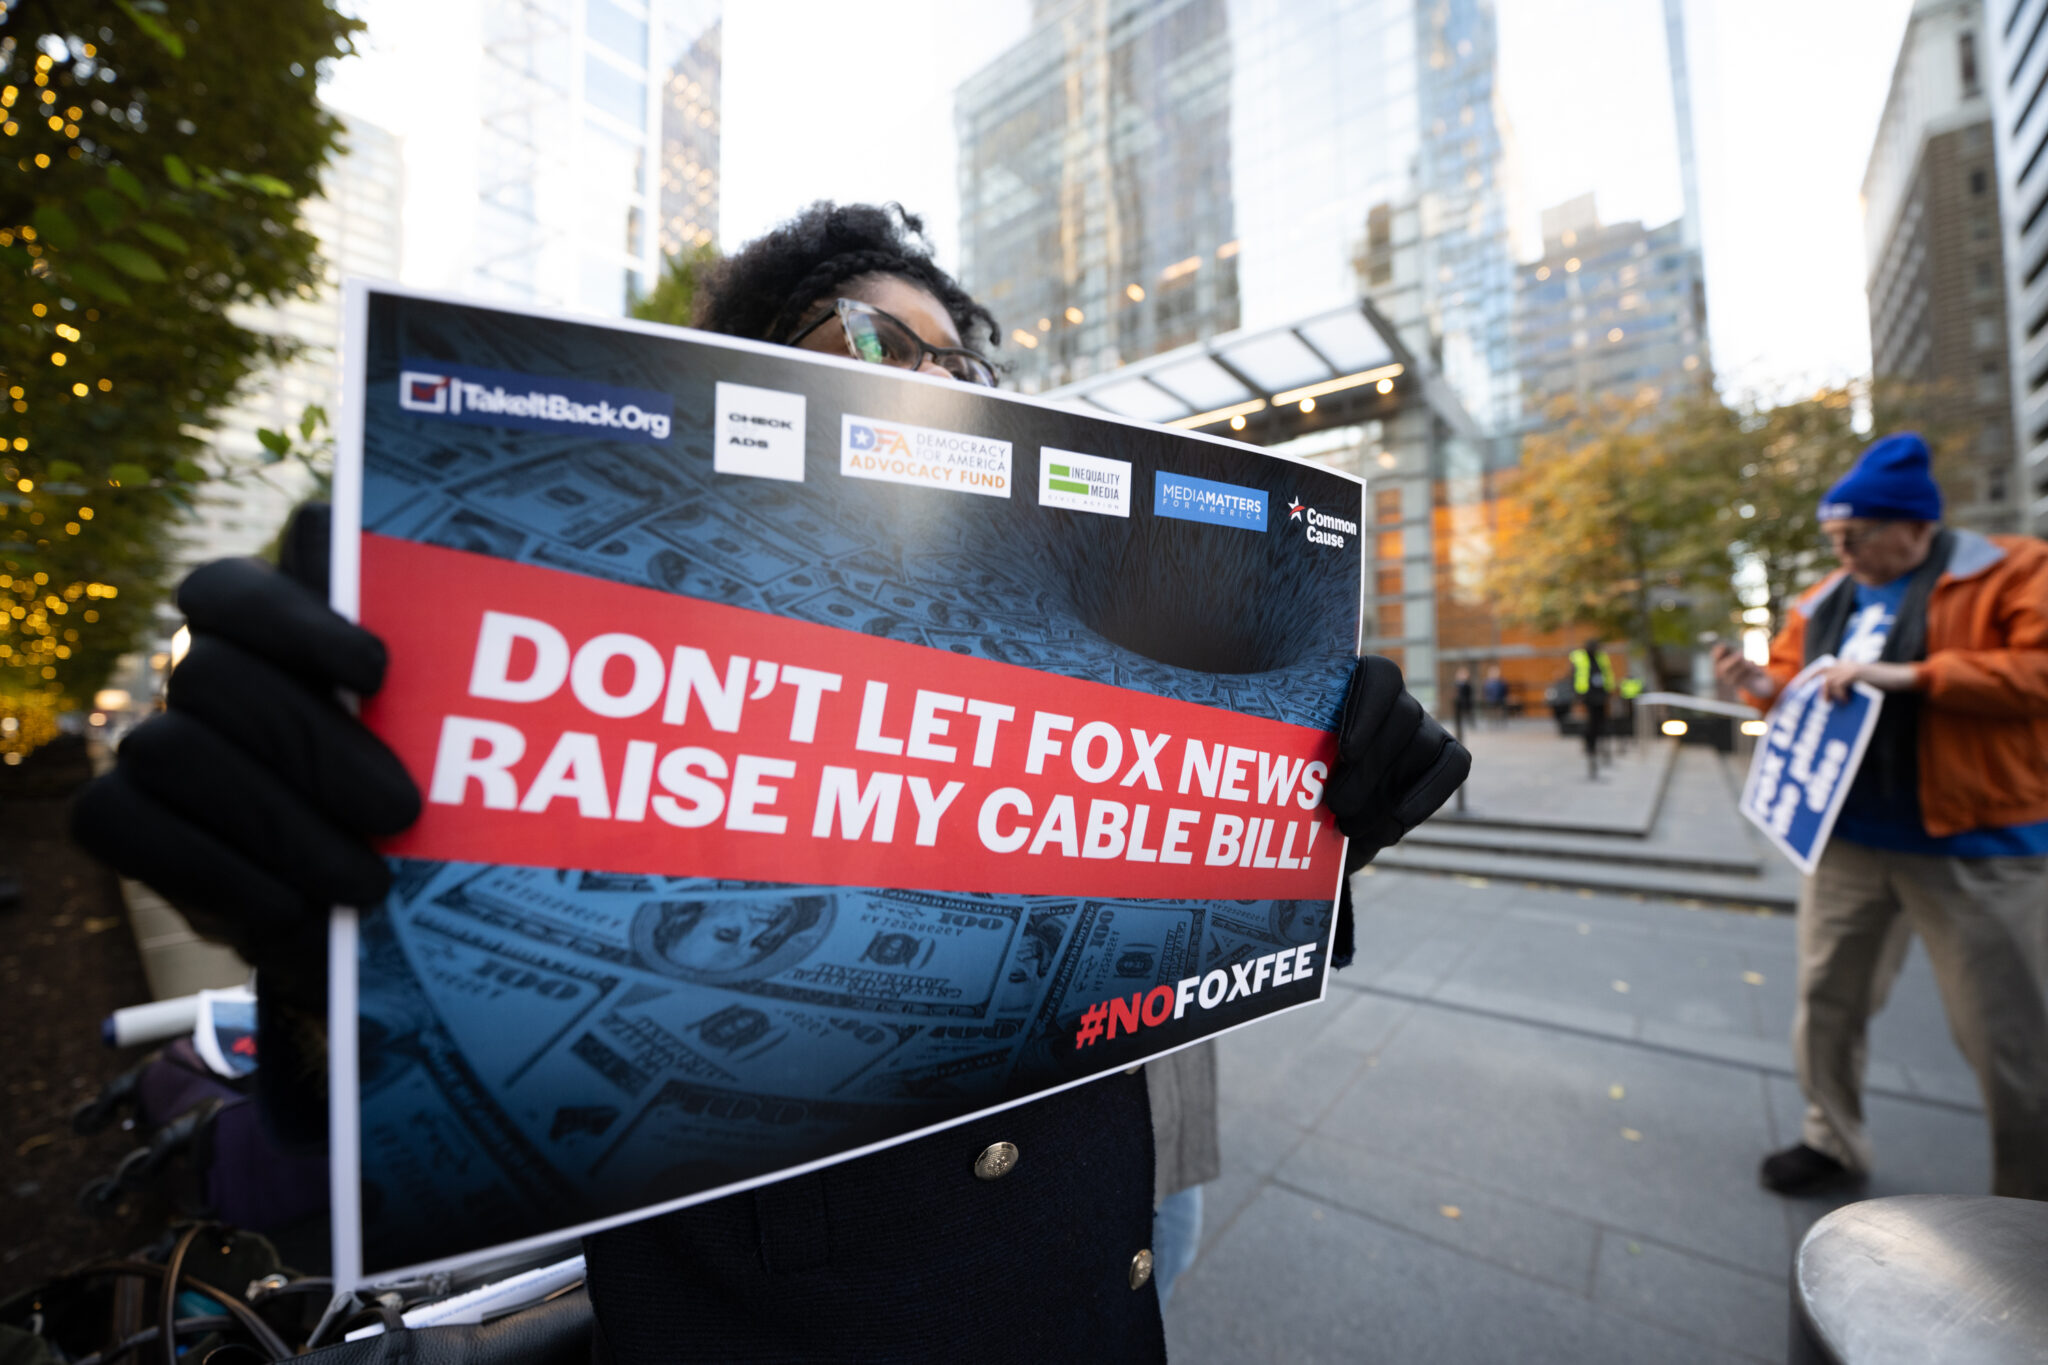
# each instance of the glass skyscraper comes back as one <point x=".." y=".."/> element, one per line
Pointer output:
<point x="1136" y="175"/>
<point x="594" y="115"/>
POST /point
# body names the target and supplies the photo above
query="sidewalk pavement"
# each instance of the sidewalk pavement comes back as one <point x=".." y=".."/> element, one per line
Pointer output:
<point x="1525" y="1127"/>
<point x="1526" y="773"/>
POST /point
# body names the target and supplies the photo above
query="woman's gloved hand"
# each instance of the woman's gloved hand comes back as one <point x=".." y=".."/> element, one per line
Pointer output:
<point x="1395" y="767"/>
<point x="249" y="803"/>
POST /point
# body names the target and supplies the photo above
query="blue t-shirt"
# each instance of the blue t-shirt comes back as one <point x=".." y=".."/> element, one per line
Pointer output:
<point x="1876" y="818"/>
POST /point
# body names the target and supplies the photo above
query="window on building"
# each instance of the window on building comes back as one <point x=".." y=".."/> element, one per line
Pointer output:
<point x="1989" y="387"/>
<point x="1966" y="55"/>
<point x="1995" y="486"/>
<point x="1982" y="279"/>
<point x="1984" y="332"/>
<point x="1386" y="504"/>
<point x="1980" y="227"/>
<point x="618" y="30"/>
<point x="610" y="89"/>
<point x="1978" y="181"/>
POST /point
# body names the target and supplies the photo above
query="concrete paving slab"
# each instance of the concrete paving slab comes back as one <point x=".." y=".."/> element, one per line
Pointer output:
<point x="1526" y="775"/>
<point x="1278" y="1069"/>
<point x="1530" y="1111"/>
<point x="1737" y="1309"/>
<point x="1298" y="1280"/>
<point x="1691" y="984"/>
<point x="1254" y="1144"/>
<point x="1515" y="1234"/>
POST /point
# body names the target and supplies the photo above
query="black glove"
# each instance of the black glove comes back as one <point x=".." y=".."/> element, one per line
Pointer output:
<point x="249" y="803"/>
<point x="1395" y="767"/>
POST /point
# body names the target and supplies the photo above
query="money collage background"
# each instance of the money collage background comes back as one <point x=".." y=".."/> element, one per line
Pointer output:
<point x="541" y="1048"/>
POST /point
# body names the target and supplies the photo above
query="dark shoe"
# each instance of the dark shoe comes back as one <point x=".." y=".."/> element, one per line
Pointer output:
<point x="1801" y="1170"/>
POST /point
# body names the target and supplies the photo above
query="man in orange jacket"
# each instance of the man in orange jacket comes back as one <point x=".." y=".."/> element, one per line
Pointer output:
<point x="1945" y="828"/>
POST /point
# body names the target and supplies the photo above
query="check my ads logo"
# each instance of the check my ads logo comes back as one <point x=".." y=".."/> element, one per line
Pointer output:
<point x="1321" y="529"/>
<point x="896" y="452"/>
<point x="502" y="398"/>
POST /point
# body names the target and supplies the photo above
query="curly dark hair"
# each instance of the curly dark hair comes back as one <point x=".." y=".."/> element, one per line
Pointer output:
<point x="764" y="289"/>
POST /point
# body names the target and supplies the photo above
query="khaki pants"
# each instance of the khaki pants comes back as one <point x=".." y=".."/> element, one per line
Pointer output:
<point x="1985" y="924"/>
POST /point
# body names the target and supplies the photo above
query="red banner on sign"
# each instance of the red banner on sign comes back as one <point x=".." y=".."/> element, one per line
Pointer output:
<point x="555" y="720"/>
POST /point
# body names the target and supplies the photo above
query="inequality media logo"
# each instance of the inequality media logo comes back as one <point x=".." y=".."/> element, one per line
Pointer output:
<point x="1083" y="483"/>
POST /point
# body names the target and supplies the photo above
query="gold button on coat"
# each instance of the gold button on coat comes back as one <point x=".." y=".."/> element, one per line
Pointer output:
<point x="1141" y="1268"/>
<point x="997" y="1160"/>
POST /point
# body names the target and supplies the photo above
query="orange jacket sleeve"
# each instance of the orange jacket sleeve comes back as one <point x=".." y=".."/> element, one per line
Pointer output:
<point x="2010" y="680"/>
<point x="1788" y="656"/>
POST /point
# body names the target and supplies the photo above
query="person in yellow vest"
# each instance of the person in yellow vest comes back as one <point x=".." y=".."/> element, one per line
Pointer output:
<point x="1593" y="681"/>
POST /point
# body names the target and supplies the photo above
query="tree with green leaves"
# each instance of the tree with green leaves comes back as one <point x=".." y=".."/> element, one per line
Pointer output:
<point x="1604" y="536"/>
<point x="1758" y="471"/>
<point x="159" y="155"/>
<point x="674" y="297"/>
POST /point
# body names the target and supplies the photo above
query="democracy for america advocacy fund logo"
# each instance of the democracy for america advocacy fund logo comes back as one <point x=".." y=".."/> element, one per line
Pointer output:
<point x="923" y="457"/>
<point x="1320" y="528"/>
<point x="502" y="398"/>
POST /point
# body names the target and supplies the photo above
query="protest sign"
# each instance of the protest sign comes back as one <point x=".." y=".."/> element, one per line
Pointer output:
<point x="814" y="755"/>
<point x="1804" y="764"/>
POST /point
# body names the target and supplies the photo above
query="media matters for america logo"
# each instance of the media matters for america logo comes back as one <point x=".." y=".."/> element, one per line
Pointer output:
<point x="1187" y="498"/>
<point x="896" y="452"/>
<point x="1320" y="527"/>
<point x="502" y="398"/>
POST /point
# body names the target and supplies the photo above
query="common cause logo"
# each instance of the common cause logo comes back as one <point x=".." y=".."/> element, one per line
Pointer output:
<point x="1320" y="528"/>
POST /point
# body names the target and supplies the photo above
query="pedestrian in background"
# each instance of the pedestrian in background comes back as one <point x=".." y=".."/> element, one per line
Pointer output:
<point x="1495" y="695"/>
<point x="1464" y="700"/>
<point x="1593" y="682"/>
<point x="1945" y="827"/>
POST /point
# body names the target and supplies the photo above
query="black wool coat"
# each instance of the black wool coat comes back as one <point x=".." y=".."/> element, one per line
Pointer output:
<point x="907" y="1255"/>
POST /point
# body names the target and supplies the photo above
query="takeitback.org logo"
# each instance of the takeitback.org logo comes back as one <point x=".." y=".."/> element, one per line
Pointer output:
<point x="1083" y="483"/>
<point x="1320" y="527"/>
<point x="502" y="398"/>
<point x="1187" y="498"/>
<point x="896" y="452"/>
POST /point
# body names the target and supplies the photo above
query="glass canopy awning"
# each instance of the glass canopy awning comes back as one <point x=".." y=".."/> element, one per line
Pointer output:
<point x="1234" y="377"/>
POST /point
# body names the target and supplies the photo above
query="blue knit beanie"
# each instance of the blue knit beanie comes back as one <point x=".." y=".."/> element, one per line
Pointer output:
<point x="1890" y="482"/>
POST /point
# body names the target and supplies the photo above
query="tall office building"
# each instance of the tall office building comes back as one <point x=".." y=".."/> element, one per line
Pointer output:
<point x="1140" y="175"/>
<point x="1610" y="309"/>
<point x="585" y="143"/>
<point x="356" y="218"/>
<point x="1096" y="212"/>
<point x="2015" y="74"/>
<point x="689" y="140"/>
<point x="1935" y="260"/>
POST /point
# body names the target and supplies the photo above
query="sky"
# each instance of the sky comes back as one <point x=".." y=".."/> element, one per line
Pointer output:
<point x="828" y="100"/>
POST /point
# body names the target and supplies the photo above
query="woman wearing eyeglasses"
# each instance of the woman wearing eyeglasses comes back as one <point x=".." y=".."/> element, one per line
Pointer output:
<point x="1022" y="1236"/>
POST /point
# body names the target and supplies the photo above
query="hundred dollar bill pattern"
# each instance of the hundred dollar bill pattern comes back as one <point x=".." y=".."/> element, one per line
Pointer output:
<point x="552" y="1045"/>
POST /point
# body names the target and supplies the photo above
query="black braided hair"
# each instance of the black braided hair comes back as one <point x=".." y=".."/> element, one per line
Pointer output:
<point x="766" y="288"/>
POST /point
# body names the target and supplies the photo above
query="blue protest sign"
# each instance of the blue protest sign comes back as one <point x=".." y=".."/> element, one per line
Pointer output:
<point x="1804" y="765"/>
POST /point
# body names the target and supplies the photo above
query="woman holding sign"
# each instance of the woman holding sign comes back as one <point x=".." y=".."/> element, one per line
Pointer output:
<point x="253" y="801"/>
